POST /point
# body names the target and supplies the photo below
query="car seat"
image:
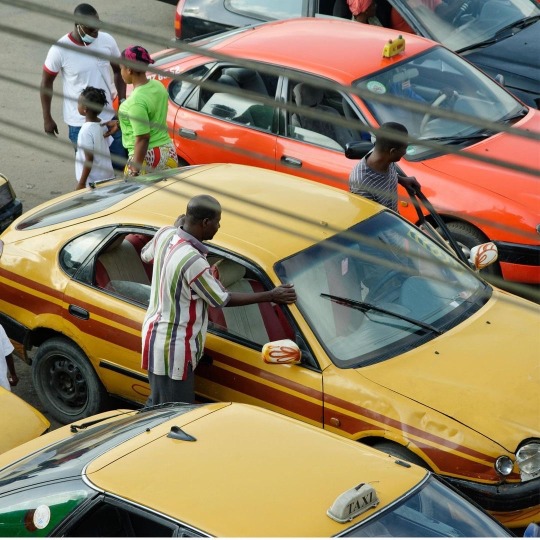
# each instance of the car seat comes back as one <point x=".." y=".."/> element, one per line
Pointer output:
<point x="259" y="323"/>
<point x="306" y="95"/>
<point x="120" y="261"/>
<point x="246" y="79"/>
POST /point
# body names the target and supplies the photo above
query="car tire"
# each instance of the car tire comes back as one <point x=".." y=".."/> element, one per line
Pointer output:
<point x="396" y="450"/>
<point x="65" y="381"/>
<point x="468" y="236"/>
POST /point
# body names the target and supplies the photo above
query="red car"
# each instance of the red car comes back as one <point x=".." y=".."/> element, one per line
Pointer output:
<point x="301" y="98"/>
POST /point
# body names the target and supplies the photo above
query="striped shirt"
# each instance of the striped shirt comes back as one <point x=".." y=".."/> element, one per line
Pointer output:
<point x="174" y="328"/>
<point x="379" y="187"/>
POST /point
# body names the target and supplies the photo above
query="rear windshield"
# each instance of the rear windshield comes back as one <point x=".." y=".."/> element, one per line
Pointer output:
<point x="69" y="456"/>
<point x="84" y="204"/>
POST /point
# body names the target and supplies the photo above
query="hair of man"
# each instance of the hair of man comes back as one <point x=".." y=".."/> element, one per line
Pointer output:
<point x="202" y="207"/>
<point x="385" y="142"/>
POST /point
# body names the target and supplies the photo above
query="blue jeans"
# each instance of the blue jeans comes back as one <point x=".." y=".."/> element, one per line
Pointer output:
<point x="116" y="147"/>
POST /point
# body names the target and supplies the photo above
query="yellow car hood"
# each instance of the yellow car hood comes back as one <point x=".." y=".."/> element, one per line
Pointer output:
<point x="484" y="373"/>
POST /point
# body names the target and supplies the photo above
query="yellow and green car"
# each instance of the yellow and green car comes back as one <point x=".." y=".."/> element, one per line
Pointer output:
<point x="400" y="345"/>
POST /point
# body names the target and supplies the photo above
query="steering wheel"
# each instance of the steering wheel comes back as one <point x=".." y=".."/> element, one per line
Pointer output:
<point x="427" y="117"/>
<point x="465" y="8"/>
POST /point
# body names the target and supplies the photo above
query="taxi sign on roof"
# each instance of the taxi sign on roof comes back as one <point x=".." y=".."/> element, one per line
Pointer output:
<point x="393" y="47"/>
<point x="353" y="502"/>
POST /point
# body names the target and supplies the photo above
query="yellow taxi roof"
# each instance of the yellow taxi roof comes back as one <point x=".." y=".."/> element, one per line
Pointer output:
<point x="266" y="214"/>
<point x="250" y="472"/>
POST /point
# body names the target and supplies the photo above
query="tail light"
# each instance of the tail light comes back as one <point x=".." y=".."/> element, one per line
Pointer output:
<point x="178" y="19"/>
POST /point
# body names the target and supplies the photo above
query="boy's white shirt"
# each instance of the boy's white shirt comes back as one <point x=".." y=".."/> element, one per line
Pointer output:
<point x="91" y="138"/>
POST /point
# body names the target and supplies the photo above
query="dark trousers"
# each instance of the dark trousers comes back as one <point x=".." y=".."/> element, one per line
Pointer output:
<point x="163" y="389"/>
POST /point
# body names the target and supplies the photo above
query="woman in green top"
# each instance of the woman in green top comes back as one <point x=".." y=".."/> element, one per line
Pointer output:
<point x="143" y="119"/>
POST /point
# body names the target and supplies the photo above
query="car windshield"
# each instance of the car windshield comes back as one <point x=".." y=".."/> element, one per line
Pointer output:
<point x="433" y="510"/>
<point x="380" y="289"/>
<point x="442" y="78"/>
<point x="478" y="22"/>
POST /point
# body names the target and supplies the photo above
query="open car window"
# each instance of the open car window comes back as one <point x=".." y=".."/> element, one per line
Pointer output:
<point x="253" y="325"/>
<point x="235" y="100"/>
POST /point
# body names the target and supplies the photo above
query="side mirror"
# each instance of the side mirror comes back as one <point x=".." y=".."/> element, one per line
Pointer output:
<point x="483" y="255"/>
<point x="284" y="351"/>
<point x="358" y="149"/>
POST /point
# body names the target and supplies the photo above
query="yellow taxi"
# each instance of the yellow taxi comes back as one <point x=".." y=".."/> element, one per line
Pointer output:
<point x="393" y="341"/>
<point x="226" y="470"/>
<point x="19" y="421"/>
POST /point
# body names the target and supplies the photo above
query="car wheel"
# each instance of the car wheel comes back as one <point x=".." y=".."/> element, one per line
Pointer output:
<point x="400" y="452"/>
<point x="65" y="381"/>
<point x="467" y="237"/>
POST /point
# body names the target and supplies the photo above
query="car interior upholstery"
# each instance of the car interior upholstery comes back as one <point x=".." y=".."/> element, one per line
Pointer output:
<point x="258" y="323"/>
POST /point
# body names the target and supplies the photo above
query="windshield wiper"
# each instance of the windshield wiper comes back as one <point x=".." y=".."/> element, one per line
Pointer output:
<point x="500" y="34"/>
<point x="456" y="139"/>
<point x="365" y="306"/>
<point x="514" y="116"/>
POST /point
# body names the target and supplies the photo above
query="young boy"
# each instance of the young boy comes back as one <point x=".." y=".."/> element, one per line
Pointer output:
<point x="376" y="176"/>
<point x="93" y="159"/>
<point x="8" y="377"/>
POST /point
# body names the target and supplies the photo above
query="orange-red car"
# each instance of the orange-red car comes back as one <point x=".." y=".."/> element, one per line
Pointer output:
<point x="304" y="95"/>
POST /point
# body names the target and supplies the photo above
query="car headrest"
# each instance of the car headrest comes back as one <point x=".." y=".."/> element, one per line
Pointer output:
<point x="405" y="75"/>
<point x="228" y="272"/>
<point x="307" y="95"/>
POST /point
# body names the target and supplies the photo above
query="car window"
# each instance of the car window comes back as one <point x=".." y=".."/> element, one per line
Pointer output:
<point x="315" y="114"/>
<point x="475" y="23"/>
<point x="110" y="518"/>
<point x="119" y="270"/>
<point x="236" y="105"/>
<point x="75" y="252"/>
<point x="180" y="89"/>
<point x="268" y="9"/>
<point x="255" y="324"/>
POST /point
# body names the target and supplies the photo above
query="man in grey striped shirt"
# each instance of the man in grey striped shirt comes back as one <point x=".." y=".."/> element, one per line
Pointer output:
<point x="376" y="175"/>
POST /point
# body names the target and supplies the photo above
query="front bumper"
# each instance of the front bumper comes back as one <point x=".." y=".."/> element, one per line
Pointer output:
<point x="519" y="263"/>
<point x="515" y="505"/>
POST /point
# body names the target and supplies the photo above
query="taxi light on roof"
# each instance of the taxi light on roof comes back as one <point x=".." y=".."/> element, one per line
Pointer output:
<point x="394" y="47"/>
<point x="353" y="502"/>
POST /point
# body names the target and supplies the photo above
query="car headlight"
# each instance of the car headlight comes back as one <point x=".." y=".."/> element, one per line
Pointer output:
<point x="528" y="459"/>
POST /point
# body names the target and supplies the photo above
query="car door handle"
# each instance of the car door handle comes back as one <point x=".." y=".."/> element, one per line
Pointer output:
<point x="187" y="133"/>
<point x="78" y="312"/>
<point x="291" y="162"/>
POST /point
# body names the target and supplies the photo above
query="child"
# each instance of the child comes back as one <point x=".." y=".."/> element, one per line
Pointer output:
<point x="93" y="159"/>
<point x="8" y="377"/>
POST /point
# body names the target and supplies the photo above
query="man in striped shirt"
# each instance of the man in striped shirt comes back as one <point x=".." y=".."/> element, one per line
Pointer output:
<point x="183" y="287"/>
<point x="376" y="175"/>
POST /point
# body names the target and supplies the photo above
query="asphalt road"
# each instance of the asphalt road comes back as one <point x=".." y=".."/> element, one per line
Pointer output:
<point x="41" y="167"/>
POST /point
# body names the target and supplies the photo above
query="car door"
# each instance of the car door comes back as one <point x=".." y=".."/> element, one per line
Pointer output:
<point x="232" y="368"/>
<point x="107" y="298"/>
<point x="231" y="118"/>
<point x="314" y="131"/>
